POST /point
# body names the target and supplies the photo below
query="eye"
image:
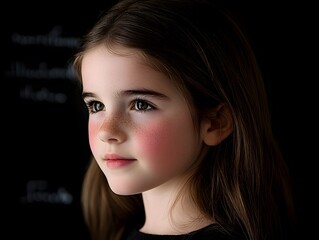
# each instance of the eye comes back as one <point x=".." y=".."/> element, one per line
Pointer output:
<point x="94" y="106"/>
<point x="142" y="105"/>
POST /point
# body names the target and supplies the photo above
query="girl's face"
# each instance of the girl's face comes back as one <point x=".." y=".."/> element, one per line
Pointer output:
<point x="141" y="131"/>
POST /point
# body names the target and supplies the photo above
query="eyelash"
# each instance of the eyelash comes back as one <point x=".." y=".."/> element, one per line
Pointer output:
<point x="91" y="105"/>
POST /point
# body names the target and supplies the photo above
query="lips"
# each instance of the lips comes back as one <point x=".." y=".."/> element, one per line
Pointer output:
<point x="114" y="156"/>
<point x="117" y="161"/>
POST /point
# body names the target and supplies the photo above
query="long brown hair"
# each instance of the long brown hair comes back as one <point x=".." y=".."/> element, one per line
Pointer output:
<point x="243" y="183"/>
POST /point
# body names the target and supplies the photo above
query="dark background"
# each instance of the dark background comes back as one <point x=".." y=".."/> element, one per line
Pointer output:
<point x="46" y="149"/>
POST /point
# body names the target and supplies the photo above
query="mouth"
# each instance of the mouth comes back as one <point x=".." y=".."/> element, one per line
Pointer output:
<point x="114" y="161"/>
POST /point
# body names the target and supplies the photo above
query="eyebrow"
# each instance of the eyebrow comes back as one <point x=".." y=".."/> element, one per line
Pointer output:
<point x="132" y="92"/>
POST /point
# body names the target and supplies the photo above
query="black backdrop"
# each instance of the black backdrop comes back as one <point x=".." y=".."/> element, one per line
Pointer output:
<point x="46" y="145"/>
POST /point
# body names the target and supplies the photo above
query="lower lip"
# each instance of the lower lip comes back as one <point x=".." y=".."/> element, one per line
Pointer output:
<point x="118" y="163"/>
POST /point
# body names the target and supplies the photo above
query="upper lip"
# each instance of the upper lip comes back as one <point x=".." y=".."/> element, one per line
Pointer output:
<point x="114" y="156"/>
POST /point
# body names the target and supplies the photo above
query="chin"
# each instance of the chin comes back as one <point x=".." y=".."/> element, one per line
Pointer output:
<point x="125" y="190"/>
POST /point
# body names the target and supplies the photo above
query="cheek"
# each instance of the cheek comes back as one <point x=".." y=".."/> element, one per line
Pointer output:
<point x="93" y="130"/>
<point x="165" y="145"/>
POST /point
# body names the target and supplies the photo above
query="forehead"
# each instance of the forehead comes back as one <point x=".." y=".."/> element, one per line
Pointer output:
<point x="101" y="52"/>
<point x="103" y="60"/>
<point x="128" y="67"/>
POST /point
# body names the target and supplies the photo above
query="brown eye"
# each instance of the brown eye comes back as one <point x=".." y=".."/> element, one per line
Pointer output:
<point x="97" y="106"/>
<point x="142" y="105"/>
<point x="94" y="106"/>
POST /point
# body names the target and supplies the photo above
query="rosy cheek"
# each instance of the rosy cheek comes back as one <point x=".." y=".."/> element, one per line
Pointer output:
<point x="93" y="130"/>
<point x="160" y="144"/>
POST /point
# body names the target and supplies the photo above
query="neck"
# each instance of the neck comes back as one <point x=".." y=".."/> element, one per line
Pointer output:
<point x="168" y="213"/>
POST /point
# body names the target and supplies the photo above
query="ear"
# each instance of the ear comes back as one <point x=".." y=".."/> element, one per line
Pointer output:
<point x="217" y="125"/>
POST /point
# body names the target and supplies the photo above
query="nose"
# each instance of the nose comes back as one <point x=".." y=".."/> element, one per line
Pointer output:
<point x="112" y="129"/>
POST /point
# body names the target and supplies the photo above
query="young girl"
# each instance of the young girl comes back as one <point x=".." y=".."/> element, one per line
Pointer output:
<point x="179" y="128"/>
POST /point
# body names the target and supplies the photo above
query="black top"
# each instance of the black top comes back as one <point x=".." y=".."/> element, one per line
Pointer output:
<point x="211" y="232"/>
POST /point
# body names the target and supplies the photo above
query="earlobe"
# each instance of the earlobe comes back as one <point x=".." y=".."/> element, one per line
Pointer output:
<point x="217" y="125"/>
